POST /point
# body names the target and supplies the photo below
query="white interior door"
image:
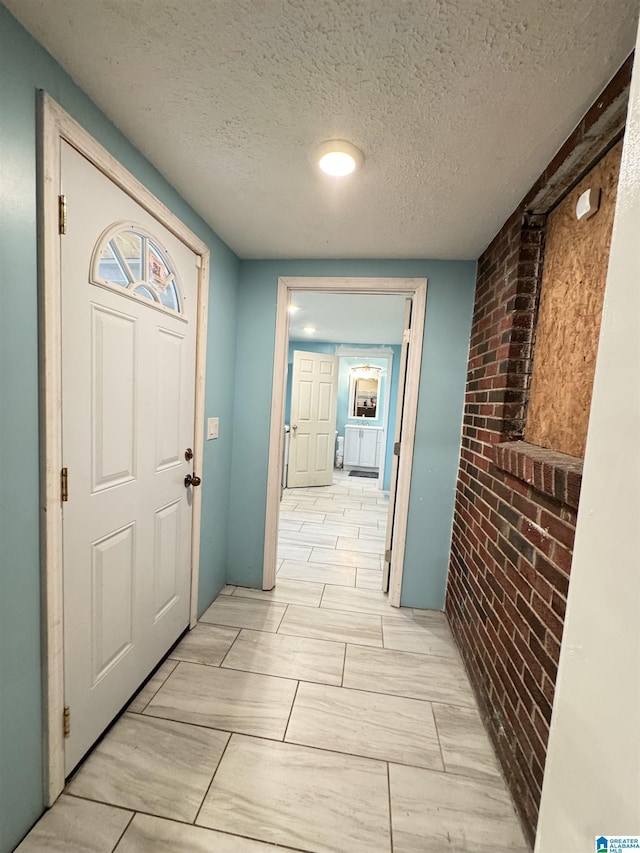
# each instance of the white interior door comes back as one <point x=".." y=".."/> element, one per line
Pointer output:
<point x="129" y="301"/>
<point x="314" y="403"/>
<point x="397" y="440"/>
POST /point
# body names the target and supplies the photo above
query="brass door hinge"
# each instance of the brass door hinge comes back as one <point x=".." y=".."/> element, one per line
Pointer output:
<point x="66" y="721"/>
<point x="64" y="485"/>
<point x="396" y="448"/>
<point x="62" y="214"/>
<point x="406" y="336"/>
<point x="387" y="555"/>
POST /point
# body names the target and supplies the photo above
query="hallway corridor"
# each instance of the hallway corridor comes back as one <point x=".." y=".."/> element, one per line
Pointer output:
<point x="295" y="718"/>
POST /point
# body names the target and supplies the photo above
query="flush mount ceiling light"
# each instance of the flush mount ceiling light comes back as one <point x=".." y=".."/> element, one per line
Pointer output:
<point x="310" y="330"/>
<point x="339" y="158"/>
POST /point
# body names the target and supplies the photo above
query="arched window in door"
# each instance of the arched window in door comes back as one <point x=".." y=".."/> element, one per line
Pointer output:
<point x="128" y="256"/>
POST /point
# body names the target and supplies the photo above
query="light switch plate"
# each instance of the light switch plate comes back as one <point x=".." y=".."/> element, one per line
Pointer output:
<point x="212" y="427"/>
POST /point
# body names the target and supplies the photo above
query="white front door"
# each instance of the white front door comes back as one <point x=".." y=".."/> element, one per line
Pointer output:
<point x="129" y="301"/>
<point x="314" y="403"/>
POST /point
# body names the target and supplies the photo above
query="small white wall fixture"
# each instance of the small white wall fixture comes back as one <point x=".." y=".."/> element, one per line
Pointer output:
<point x="591" y="783"/>
<point x="55" y="126"/>
<point x="416" y="288"/>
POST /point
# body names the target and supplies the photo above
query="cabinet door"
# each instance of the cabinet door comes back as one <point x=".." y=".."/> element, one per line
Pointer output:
<point x="351" y="446"/>
<point x="379" y="447"/>
<point x="368" y="445"/>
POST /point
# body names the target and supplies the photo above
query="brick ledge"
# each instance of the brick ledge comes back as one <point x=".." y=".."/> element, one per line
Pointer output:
<point x="550" y="472"/>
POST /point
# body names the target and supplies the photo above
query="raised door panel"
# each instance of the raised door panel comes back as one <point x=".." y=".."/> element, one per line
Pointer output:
<point x="305" y="402"/>
<point x="326" y="408"/>
<point x="113" y="415"/>
<point x="302" y="452"/>
<point x="113" y="564"/>
<point x="324" y="454"/>
<point x="166" y="563"/>
<point x="169" y="398"/>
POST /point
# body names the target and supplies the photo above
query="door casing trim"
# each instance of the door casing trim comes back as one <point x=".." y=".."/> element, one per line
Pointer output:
<point x="417" y="289"/>
<point x="55" y="125"/>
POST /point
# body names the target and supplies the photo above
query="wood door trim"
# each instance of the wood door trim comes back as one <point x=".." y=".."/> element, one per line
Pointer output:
<point x="417" y="289"/>
<point x="55" y="126"/>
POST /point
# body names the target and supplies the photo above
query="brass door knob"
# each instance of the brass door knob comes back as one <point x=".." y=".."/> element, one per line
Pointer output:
<point x="192" y="480"/>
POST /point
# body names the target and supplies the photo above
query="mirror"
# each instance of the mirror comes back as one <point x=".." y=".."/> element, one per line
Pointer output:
<point x="364" y="391"/>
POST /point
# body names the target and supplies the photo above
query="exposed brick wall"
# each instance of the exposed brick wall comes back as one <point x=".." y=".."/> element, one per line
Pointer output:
<point x="507" y="585"/>
<point x="516" y="505"/>
<point x="553" y="473"/>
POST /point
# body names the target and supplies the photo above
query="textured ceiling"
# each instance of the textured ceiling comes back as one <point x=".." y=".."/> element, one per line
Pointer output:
<point x="458" y="105"/>
<point x="348" y="318"/>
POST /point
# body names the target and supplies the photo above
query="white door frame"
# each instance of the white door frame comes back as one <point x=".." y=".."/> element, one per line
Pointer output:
<point x="287" y="285"/>
<point x="54" y="127"/>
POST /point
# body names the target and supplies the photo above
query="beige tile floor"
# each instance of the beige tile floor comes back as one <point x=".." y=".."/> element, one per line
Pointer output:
<point x="314" y="718"/>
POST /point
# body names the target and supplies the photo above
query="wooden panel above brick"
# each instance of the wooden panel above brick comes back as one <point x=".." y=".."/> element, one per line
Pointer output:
<point x="573" y="283"/>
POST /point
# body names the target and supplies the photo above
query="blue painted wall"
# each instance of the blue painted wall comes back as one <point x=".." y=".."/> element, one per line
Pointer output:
<point x="450" y="295"/>
<point x="346" y="363"/>
<point x="25" y="67"/>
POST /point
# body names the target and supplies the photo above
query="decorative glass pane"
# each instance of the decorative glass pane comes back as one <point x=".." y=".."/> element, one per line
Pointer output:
<point x="161" y="278"/>
<point x="169" y="297"/>
<point x="129" y="245"/>
<point x="132" y="260"/>
<point x="110" y="268"/>
<point x="143" y="290"/>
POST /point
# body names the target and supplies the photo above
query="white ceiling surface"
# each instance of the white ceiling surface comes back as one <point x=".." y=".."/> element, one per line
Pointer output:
<point x="348" y="318"/>
<point x="458" y="106"/>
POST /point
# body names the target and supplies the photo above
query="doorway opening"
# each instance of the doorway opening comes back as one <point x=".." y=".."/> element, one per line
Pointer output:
<point x="346" y="373"/>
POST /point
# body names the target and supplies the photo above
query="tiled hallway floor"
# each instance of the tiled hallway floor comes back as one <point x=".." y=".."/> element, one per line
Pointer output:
<point x="314" y="717"/>
<point x="334" y="534"/>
